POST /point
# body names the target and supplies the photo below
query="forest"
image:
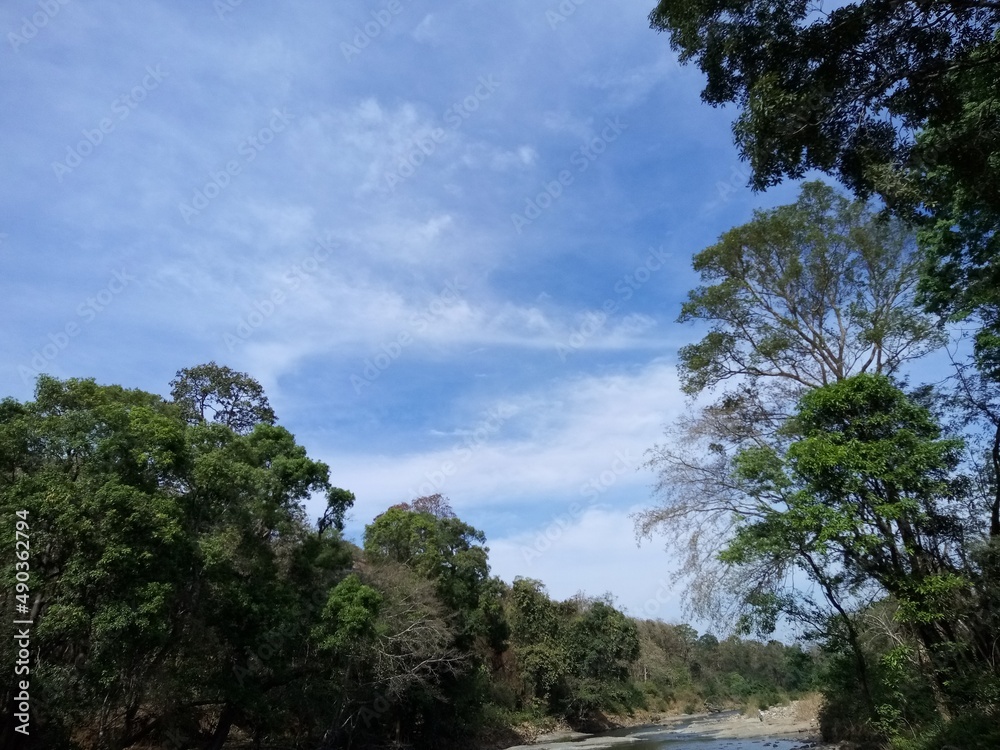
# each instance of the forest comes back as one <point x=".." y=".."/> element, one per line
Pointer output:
<point x="181" y="597"/>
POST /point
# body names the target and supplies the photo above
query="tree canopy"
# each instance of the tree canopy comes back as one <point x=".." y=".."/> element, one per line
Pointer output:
<point x="182" y="597"/>
<point x="893" y="97"/>
<point x="807" y="293"/>
<point x="812" y="461"/>
<point x="843" y="91"/>
<point x="163" y="553"/>
<point x="215" y="393"/>
<point x="801" y="296"/>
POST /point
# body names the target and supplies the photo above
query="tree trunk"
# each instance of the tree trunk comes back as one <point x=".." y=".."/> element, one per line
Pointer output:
<point x="860" y="664"/>
<point x="995" y="514"/>
<point x="222" y="728"/>
<point x="934" y="678"/>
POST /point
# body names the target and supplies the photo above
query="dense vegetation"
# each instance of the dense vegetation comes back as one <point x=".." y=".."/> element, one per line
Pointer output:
<point x="182" y="599"/>
<point x="818" y="455"/>
<point x="815" y="461"/>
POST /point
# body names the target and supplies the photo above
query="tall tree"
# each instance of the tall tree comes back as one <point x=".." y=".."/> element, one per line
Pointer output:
<point x="537" y="643"/>
<point x="388" y="650"/>
<point x="805" y="295"/>
<point x="869" y="487"/>
<point x="428" y="537"/>
<point x="600" y="643"/>
<point x="802" y="296"/>
<point x="894" y="97"/>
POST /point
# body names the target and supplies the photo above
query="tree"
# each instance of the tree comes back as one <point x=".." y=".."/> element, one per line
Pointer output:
<point x="841" y="91"/>
<point x="801" y="296"/>
<point x="427" y="539"/>
<point x="893" y="97"/>
<point x="806" y="294"/>
<point x="958" y="185"/>
<point x="86" y="465"/>
<point x="536" y="640"/>
<point x="573" y="657"/>
<point x="868" y="486"/>
<point x="216" y="393"/>
<point x="174" y="575"/>
<point x="600" y="643"/>
<point x="441" y="547"/>
<point x="338" y="501"/>
<point x="389" y="651"/>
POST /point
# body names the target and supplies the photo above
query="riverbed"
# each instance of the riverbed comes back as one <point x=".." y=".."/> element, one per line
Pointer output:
<point x="723" y="732"/>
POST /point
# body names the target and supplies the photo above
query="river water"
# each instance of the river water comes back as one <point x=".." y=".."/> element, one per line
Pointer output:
<point x="684" y="734"/>
<point x="659" y="738"/>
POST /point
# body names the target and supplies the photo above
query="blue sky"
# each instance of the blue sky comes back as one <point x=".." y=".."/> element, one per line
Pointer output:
<point x="451" y="240"/>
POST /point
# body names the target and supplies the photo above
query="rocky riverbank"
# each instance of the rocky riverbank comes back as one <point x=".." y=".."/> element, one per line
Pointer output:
<point x="797" y="719"/>
<point x="794" y="721"/>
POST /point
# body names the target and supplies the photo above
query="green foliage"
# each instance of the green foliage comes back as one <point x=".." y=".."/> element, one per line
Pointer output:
<point x="350" y="614"/>
<point x="535" y="632"/>
<point x="676" y="667"/>
<point x="846" y="713"/>
<point x="973" y="731"/>
<point x="216" y="393"/>
<point x="181" y="595"/>
<point x="443" y="549"/>
<point x="602" y="642"/>
<point x="801" y="297"/>
<point x="860" y="490"/>
<point x="165" y="554"/>
<point x="839" y="91"/>
<point x="806" y="293"/>
<point x="901" y="696"/>
<point x="813" y="461"/>
<point x="895" y="98"/>
<point x="867" y="485"/>
<point x="957" y="181"/>
<point x="440" y="547"/>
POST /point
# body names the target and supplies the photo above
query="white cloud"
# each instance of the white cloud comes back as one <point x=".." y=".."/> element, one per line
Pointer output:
<point x="546" y="444"/>
<point x="358" y="125"/>
<point x="591" y="550"/>
<point x="519" y="158"/>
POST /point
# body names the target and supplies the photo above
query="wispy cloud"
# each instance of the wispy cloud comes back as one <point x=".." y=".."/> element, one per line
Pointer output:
<point x="322" y="195"/>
